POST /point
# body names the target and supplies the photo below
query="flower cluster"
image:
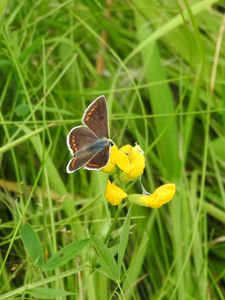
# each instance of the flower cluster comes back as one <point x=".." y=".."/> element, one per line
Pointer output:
<point x="127" y="164"/>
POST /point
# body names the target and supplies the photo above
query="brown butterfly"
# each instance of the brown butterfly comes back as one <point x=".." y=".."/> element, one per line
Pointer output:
<point x="89" y="143"/>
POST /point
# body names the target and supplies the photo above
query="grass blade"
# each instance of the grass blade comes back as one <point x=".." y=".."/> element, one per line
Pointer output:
<point x="65" y="255"/>
<point x="32" y="244"/>
<point x="47" y="293"/>
<point x="106" y="259"/>
<point x="124" y="238"/>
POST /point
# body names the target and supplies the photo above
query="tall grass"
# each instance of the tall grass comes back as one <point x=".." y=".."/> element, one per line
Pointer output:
<point x="160" y="65"/>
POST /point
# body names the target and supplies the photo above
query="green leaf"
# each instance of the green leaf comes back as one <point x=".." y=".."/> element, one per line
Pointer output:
<point x="46" y="293"/>
<point x="32" y="244"/>
<point x="161" y="100"/>
<point x="106" y="259"/>
<point x="124" y="238"/>
<point x="218" y="147"/>
<point x="65" y="254"/>
<point x="22" y="110"/>
<point x="3" y="6"/>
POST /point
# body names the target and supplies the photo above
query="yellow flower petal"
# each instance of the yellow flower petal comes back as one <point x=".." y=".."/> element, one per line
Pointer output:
<point x="114" y="194"/>
<point x="111" y="165"/>
<point x="131" y="161"/>
<point x="160" y="196"/>
<point x="165" y="192"/>
<point x="138" y="161"/>
<point x="126" y="149"/>
<point x="122" y="161"/>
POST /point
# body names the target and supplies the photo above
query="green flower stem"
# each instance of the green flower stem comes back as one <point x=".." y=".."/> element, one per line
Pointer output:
<point x="106" y="240"/>
<point x="134" y="199"/>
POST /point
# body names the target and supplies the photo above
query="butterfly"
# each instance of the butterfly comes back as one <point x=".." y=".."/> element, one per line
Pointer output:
<point x="89" y="143"/>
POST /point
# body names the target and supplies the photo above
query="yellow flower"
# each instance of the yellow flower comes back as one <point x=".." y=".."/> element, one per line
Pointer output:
<point x="160" y="196"/>
<point x="114" y="194"/>
<point x="111" y="165"/>
<point x="131" y="161"/>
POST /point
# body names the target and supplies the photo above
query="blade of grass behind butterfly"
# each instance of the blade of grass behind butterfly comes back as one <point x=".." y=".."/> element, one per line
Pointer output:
<point x="3" y="7"/>
<point x="162" y="102"/>
<point x="181" y="208"/>
<point x="124" y="237"/>
<point x="101" y="212"/>
<point x="138" y="256"/>
<point x="56" y="182"/>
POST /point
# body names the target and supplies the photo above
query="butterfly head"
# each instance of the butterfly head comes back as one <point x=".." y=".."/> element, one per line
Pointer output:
<point x="110" y="143"/>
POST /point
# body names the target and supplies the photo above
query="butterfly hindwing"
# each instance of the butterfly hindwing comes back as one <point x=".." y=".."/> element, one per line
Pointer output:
<point x="78" y="162"/>
<point x="99" y="161"/>
<point x="96" y="117"/>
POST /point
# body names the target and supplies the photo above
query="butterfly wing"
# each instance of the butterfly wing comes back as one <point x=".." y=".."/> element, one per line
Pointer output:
<point x="99" y="161"/>
<point x="79" y="137"/>
<point x="78" y="162"/>
<point x="96" y="117"/>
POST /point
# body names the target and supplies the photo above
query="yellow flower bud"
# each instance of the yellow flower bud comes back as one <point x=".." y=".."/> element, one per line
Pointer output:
<point x="160" y="196"/>
<point x="114" y="194"/>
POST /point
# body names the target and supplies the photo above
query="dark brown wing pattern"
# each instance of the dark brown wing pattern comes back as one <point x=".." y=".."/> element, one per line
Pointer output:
<point x="78" y="162"/>
<point x="80" y="136"/>
<point x="99" y="161"/>
<point x="96" y="117"/>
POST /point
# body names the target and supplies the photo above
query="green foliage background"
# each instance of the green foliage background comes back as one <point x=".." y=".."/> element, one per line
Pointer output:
<point x="160" y="65"/>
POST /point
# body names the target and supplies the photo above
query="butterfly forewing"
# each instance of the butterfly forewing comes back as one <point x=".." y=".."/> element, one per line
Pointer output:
<point x="96" y="117"/>
<point x="79" y="137"/>
<point x="99" y="161"/>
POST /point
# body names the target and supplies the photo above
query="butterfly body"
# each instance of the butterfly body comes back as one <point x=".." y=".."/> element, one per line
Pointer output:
<point x="96" y="147"/>
<point x="89" y="143"/>
<point x="100" y="145"/>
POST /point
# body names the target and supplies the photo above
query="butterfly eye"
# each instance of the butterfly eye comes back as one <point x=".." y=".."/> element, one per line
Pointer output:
<point x="111" y="143"/>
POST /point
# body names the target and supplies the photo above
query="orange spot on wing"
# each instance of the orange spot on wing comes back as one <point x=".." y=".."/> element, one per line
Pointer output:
<point x="92" y="165"/>
<point x="89" y="114"/>
<point x="74" y="144"/>
<point x="73" y="163"/>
